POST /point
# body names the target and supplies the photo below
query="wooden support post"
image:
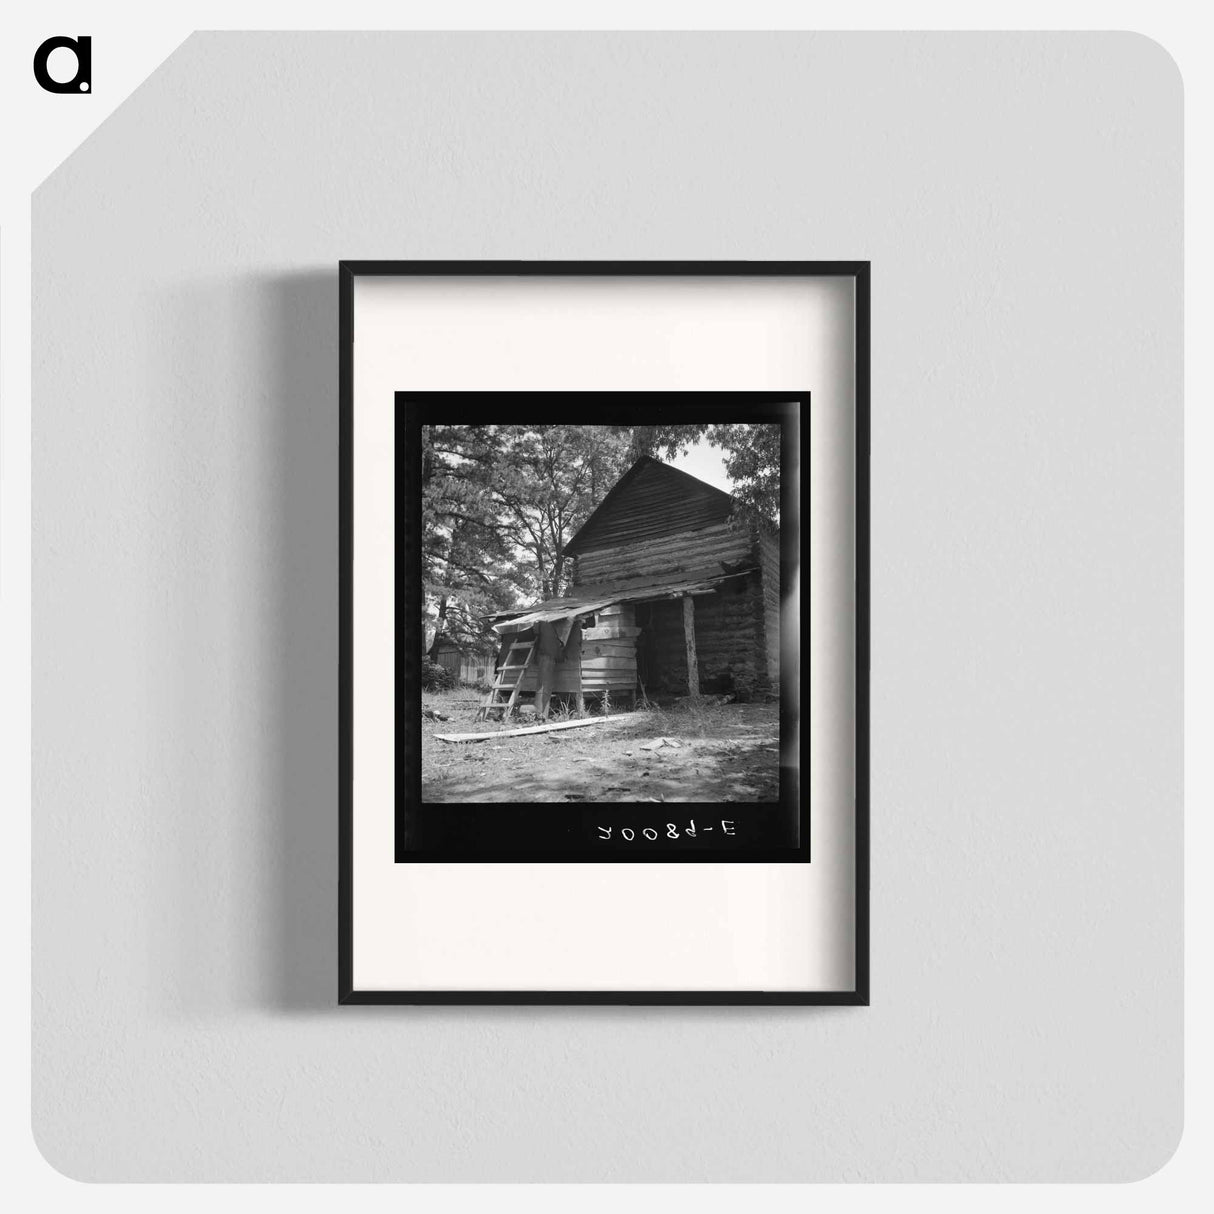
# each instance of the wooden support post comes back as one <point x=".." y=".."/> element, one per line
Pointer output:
<point x="573" y="653"/>
<point x="689" y="632"/>
<point x="544" y="691"/>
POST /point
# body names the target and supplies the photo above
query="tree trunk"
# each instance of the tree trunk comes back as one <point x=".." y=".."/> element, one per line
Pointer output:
<point x="427" y="455"/>
<point x="438" y="628"/>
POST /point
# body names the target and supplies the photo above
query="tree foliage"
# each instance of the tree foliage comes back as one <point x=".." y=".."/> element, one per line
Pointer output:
<point x="751" y="455"/>
<point x="499" y="503"/>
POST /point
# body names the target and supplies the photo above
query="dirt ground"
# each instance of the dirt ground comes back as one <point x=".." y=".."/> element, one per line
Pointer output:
<point x="725" y="752"/>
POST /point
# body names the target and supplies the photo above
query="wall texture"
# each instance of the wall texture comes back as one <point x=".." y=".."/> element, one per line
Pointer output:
<point x="693" y="552"/>
<point x="729" y="638"/>
<point x="1020" y="199"/>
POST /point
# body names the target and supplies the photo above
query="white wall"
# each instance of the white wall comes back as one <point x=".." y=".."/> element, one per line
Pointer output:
<point x="1019" y="197"/>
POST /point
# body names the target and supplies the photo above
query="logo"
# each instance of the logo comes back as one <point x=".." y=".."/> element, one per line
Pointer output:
<point x="82" y="81"/>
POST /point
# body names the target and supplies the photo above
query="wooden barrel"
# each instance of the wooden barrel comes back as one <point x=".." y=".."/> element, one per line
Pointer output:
<point x="624" y="613"/>
<point x="611" y="630"/>
<point x="608" y="664"/>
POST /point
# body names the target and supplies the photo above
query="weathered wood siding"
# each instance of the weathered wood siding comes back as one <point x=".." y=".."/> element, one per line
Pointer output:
<point x="737" y="628"/>
<point x="729" y="641"/>
<point x="729" y="542"/>
<point x="607" y="664"/>
<point x="651" y="500"/>
<point x="769" y="561"/>
<point x="468" y="668"/>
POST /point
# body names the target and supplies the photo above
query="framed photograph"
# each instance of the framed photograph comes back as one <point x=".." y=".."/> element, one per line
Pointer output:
<point x="604" y="632"/>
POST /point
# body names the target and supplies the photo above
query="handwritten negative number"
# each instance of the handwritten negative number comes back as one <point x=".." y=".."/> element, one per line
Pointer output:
<point x="726" y="826"/>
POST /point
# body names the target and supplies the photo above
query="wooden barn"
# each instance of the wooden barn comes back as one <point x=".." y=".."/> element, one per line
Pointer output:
<point x="675" y="590"/>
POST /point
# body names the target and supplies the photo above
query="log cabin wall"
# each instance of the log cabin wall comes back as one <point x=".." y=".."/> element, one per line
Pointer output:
<point x="728" y="542"/>
<point x="729" y="641"/>
<point x="737" y="631"/>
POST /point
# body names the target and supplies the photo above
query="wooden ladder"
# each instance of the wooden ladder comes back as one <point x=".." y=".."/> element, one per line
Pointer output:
<point x="500" y="686"/>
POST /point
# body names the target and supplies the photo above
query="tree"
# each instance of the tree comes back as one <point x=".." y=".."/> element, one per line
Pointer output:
<point x="499" y="503"/>
<point x="751" y="454"/>
<point x="463" y="543"/>
<point x="549" y="480"/>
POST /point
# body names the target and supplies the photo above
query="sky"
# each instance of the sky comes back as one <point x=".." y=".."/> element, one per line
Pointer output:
<point x="704" y="462"/>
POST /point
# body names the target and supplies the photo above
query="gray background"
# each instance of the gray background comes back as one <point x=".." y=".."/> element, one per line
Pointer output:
<point x="1020" y="199"/>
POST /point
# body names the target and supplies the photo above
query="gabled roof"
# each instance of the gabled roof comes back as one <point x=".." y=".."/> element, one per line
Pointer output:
<point x="649" y="500"/>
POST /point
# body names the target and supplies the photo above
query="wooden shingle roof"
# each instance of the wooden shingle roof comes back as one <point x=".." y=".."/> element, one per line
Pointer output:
<point x="651" y="499"/>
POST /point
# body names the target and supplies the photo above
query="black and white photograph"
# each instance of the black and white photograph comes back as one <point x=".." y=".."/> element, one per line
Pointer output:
<point x="599" y="617"/>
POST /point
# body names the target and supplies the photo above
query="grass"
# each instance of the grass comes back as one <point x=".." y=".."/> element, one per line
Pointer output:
<point x="687" y="717"/>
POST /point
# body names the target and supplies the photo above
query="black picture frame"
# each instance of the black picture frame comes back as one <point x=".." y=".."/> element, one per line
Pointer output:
<point x="348" y="273"/>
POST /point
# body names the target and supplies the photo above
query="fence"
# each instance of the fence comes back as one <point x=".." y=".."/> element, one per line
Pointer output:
<point x="466" y="668"/>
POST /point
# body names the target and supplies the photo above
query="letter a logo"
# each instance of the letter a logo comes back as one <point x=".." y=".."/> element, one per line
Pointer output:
<point x="82" y="81"/>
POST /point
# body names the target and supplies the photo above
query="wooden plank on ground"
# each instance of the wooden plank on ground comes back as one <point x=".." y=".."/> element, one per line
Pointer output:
<point x="515" y="733"/>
